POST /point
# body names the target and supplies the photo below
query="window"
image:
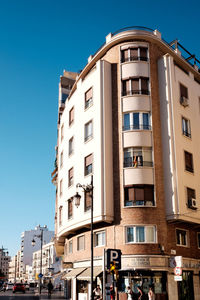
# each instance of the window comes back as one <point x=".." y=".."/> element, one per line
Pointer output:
<point x="71" y="146"/>
<point x="71" y="116"/>
<point x="191" y="198"/>
<point x="87" y="199"/>
<point x="88" y="131"/>
<point x="135" y="86"/>
<point x="137" y="195"/>
<point x="81" y="243"/>
<point x="134" y="54"/>
<point x="198" y="239"/>
<point x="60" y="215"/>
<point x="88" y="164"/>
<point x="181" y="237"/>
<point x="183" y="95"/>
<point x="70" y="208"/>
<point x="70" y="176"/>
<point x="61" y="159"/>
<point x="99" y="238"/>
<point x="61" y="187"/>
<point x="88" y="98"/>
<point x="137" y="121"/>
<point x="188" y="162"/>
<point x="138" y="157"/>
<point x="70" y="246"/>
<point x="186" y="127"/>
<point x="141" y="234"/>
<point x="62" y="132"/>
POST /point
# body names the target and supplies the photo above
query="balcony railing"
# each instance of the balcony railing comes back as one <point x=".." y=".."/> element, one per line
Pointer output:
<point x="134" y="58"/>
<point x="88" y="137"/>
<point x="137" y="127"/>
<point x="139" y="203"/>
<point x="135" y="92"/>
<point x="132" y="162"/>
<point x="186" y="133"/>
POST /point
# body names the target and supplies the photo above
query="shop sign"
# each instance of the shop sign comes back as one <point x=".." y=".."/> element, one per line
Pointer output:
<point x="178" y="278"/>
<point x="140" y="262"/>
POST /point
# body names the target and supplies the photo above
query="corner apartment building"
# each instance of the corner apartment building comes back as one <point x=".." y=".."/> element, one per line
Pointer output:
<point x="131" y="119"/>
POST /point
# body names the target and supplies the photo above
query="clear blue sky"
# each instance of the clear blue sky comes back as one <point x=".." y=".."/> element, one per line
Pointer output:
<point x="38" y="40"/>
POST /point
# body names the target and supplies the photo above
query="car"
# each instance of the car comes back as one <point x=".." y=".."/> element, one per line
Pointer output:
<point x="27" y="286"/>
<point x="9" y="286"/>
<point x="18" y="287"/>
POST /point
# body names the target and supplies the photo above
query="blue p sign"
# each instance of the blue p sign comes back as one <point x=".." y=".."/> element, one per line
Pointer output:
<point x="113" y="255"/>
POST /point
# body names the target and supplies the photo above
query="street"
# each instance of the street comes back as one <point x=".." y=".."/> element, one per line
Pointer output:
<point x="29" y="295"/>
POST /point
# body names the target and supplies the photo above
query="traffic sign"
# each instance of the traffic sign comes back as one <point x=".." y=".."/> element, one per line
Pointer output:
<point x="40" y="275"/>
<point x="178" y="278"/>
<point x="113" y="258"/>
<point x="177" y="271"/>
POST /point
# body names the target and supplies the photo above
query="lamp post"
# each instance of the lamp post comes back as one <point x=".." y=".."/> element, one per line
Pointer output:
<point x="88" y="189"/>
<point x="40" y="236"/>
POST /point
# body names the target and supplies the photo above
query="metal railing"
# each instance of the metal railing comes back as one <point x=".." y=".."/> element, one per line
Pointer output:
<point x="135" y="92"/>
<point x="137" y="127"/>
<point x="134" y="58"/>
<point x="134" y="162"/>
<point x="139" y="203"/>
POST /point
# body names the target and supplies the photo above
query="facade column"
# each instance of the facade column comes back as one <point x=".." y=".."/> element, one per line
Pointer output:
<point x="172" y="287"/>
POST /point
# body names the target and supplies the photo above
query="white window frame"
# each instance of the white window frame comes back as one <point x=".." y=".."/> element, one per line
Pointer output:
<point x="86" y="136"/>
<point x="71" y="146"/>
<point x="140" y="119"/>
<point x="186" y="238"/>
<point x="145" y="227"/>
<point x="183" y="119"/>
<point x="95" y="238"/>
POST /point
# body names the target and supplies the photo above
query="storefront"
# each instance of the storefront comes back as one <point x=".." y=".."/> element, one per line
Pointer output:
<point x="186" y="286"/>
<point x="143" y="279"/>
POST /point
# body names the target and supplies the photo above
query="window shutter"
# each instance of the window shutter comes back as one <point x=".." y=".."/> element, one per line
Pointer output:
<point x="139" y="194"/>
<point x="144" y="84"/>
<point x="135" y="84"/>
<point x="134" y="53"/>
<point x="149" y="193"/>
<point x="143" y="52"/>
<point x="89" y="160"/>
<point x="131" y="194"/>
<point x="88" y="94"/>
<point x="87" y="200"/>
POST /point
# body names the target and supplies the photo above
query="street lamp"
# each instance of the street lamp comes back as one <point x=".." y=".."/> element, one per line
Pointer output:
<point x="40" y="236"/>
<point x="89" y="189"/>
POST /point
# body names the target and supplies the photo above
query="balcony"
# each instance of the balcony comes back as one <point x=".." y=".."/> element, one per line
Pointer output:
<point x="134" y="58"/>
<point x="137" y="127"/>
<point x="135" y="92"/>
<point x="136" y="162"/>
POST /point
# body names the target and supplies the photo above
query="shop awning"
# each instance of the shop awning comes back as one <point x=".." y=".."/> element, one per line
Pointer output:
<point x="86" y="275"/>
<point x="73" y="273"/>
<point x="58" y="274"/>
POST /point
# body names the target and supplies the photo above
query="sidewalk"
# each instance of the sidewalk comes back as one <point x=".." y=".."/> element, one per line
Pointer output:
<point x="56" y="295"/>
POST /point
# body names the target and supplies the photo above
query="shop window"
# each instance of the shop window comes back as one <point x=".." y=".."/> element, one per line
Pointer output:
<point x="186" y="286"/>
<point x="136" y="121"/>
<point x="135" y="86"/>
<point x="70" y="177"/>
<point x="71" y="116"/>
<point x="137" y="157"/>
<point x="71" y="146"/>
<point x="188" y="162"/>
<point x="70" y="246"/>
<point x="140" y="234"/>
<point x="181" y="237"/>
<point x="87" y="198"/>
<point x="186" y="130"/>
<point x="81" y="243"/>
<point x="88" y="131"/>
<point x="88" y="98"/>
<point x="70" y="208"/>
<point x="88" y="164"/>
<point x="99" y="238"/>
<point x="137" y="195"/>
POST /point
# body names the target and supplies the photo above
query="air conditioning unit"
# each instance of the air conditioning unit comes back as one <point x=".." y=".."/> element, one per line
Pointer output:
<point x="192" y="203"/>
<point x="184" y="101"/>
